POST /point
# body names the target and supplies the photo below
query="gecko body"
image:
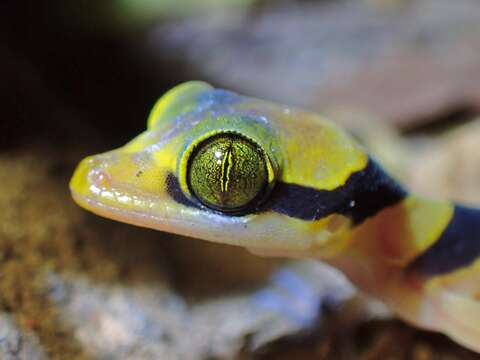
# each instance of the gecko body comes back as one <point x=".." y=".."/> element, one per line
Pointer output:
<point x="280" y="181"/>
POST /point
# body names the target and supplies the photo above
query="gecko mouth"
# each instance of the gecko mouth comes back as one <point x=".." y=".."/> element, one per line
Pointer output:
<point x="181" y="225"/>
<point x="96" y="192"/>
<point x="129" y="216"/>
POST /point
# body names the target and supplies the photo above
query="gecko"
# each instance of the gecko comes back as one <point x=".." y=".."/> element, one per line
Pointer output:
<point x="280" y="181"/>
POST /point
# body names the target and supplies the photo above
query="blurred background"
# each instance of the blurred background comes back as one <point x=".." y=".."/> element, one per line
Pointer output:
<point x="80" y="77"/>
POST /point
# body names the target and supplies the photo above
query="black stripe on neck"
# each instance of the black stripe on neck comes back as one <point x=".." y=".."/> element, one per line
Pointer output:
<point x="364" y="194"/>
<point x="458" y="246"/>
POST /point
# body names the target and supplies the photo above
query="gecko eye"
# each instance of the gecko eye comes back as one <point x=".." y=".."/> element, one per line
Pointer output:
<point x="229" y="172"/>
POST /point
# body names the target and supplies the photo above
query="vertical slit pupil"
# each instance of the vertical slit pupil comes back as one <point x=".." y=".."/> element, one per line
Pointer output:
<point x="226" y="168"/>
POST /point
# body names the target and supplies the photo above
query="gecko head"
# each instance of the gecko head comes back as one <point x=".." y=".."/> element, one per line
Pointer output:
<point x="222" y="167"/>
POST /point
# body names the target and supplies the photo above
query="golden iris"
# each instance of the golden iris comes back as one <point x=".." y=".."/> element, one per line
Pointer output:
<point x="227" y="172"/>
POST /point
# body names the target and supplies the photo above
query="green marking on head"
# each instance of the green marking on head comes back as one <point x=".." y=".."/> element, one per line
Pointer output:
<point x="181" y="99"/>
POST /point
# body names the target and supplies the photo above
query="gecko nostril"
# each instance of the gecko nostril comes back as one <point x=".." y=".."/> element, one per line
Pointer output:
<point x="99" y="178"/>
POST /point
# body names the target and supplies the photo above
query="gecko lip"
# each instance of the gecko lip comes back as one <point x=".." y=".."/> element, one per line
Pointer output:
<point x="93" y="189"/>
<point x="92" y="184"/>
<point x="181" y="225"/>
<point x="134" y="217"/>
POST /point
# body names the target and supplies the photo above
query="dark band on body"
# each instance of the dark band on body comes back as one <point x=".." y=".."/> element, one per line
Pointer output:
<point x="458" y="246"/>
<point x="364" y="194"/>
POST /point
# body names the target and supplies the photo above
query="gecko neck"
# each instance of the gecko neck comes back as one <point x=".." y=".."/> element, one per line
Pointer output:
<point x="394" y="259"/>
<point x="385" y="245"/>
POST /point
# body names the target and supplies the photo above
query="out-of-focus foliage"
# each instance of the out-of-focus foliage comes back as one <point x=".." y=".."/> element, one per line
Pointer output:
<point x="141" y="10"/>
<point x="139" y="13"/>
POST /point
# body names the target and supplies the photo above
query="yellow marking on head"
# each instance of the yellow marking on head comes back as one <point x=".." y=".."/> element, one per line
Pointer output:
<point x="167" y="157"/>
<point x="314" y="151"/>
